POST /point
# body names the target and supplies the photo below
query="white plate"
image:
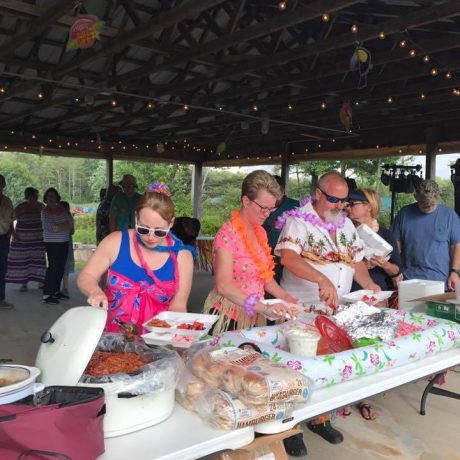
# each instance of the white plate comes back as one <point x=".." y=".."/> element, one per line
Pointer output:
<point x="358" y="296"/>
<point x="178" y="341"/>
<point x="176" y="318"/>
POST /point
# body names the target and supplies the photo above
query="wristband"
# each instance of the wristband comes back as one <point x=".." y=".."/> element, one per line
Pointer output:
<point x="250" y="303"/>
<point x="397" y="274"/>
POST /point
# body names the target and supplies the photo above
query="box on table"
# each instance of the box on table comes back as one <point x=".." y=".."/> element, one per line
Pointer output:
<point x="267" y="447"/>
<point x="444" y="306"/>
<point x="410" y="291"/>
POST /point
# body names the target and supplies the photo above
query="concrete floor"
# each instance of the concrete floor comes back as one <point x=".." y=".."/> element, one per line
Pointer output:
<point x="399" y="433"/>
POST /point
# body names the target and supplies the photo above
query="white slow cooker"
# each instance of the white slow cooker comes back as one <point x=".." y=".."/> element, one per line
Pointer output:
<point x="17" y="382"/>
<point x="64" y="354"/>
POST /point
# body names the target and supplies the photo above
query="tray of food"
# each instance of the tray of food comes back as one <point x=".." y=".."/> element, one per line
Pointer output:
<point x="181" y="324"/>
<point x="367" y="296"/>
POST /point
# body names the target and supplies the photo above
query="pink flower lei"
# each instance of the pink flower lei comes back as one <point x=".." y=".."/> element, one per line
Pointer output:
<point x="310" y="217"/>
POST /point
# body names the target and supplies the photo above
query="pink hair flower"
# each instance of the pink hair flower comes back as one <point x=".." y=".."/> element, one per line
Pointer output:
<point x="159" y="186"/>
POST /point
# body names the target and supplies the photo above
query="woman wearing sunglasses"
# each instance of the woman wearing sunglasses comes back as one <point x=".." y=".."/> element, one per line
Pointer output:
<point x="149" y="269"/>
<point x="242" y="261"/>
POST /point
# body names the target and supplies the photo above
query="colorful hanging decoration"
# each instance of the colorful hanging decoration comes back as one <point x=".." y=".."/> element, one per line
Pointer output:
<point x="84" y="32"/>
<point x="346" y="116"/>
<point x="361" y="61"/>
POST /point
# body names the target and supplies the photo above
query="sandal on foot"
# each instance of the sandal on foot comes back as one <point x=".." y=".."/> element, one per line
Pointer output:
<point x="366" y="411"/>
<point x="345" y="412"/>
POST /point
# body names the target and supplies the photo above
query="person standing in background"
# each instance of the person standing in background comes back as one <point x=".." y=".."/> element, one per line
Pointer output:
<point x="6" y="229"/>
<point x="103" y="210"/>
<point x="273" y="233"/>
<point x="56" y="234"/>
<point x="26" y="260"/>
<point x="123" y="206"/>
<point x="428" y="236"/>
<point x="70" y="262"/>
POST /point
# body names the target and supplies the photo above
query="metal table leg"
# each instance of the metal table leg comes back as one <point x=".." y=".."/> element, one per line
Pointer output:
<point x="437" y="391"/>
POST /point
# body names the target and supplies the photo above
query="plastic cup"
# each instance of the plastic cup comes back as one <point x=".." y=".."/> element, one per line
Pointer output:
<point x="303" y="343"/>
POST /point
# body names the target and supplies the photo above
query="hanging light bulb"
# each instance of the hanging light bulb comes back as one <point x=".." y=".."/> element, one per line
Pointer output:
<point x="40" y="95"/>
<point x="150" y="105"/>
<point x="325" y="17"/>
<point x="255" y="108"/>
<point x="448" y="75"/>
<point x="282" y="5"/>
<point x="434" y="71"/>
<point x="186" y="107"/>
<point x="402" y="43"/>
<point x="422" y="96"/>
<point x="412" y="53"/>
<point x="426" y="58"/>
<point x="114" y="103"/>
<point x="290" y="106"/>
<point x="354" y="28"/>
<point x="390" y="100"/>
<point x="323" y="105"/>
<point x="382" y="35"/>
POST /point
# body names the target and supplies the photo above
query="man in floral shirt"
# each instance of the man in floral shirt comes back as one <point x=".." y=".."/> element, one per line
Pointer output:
<point x="321" y="254"/>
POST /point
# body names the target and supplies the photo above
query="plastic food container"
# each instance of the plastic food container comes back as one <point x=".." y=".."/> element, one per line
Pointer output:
<point x="17" y="382"/>
<point x="303" y="343"/>
<point x="178" y="319"/>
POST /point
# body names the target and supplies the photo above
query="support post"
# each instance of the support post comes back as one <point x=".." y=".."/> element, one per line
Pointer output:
<point x="432" y="134"/>
<point x="197" y="186"/>
<point x="285" y="167"/>
<point x="109" y="170"/>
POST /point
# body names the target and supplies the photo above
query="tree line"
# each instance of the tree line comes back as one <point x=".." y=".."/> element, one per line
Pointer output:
<point x="79" y="181"/>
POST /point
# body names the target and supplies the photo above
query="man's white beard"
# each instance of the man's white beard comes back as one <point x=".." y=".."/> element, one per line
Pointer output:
<point x="332" y="216"/>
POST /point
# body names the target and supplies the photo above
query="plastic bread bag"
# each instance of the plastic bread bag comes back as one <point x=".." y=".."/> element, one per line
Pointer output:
<point x="223" y="411"/>
<point x="249" y="375"/>
<point x="157" y="368"/>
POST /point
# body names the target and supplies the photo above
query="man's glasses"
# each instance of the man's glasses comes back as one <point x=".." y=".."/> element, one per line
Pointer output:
<point x="158" y="232"/>
<point x="333" y="199"/>
<point x="351" y="204"/>
<point x="263" y="208"/>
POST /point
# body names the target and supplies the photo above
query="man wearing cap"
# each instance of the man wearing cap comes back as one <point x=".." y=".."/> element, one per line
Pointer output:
<point x="123" y="206"/>
<point x="6" y="229"/>
<point x="428" y="236"/>
<point x="321" y="254"/>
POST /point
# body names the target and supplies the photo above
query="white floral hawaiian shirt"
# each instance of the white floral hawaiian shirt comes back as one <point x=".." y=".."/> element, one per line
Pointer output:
<point x="316" y="247"/>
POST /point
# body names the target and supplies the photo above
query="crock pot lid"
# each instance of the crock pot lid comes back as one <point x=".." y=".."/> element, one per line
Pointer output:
<point x="76" y="334"/>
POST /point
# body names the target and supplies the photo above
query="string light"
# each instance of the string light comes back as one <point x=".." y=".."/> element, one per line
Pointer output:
<point x="323" y="105"/>
<point x="456" y="91"/>
<point x="382" y="35"/>
<point x="186" y="107"/>
<point x="282" y="5"/>
<point x="412" y="53"/>
<point x="114" y="103"/>
<point x="40" y="95"/>
<point x="422" y="96"/>
<point x="402" y="43"/>
<point x="150" y="105"/>
<point x="390" y="100"/>
<point x="426" y="58"/>
<point x="255" y="108"/>
<point x="354" y="28"/>
<point x="290" y="106"/>
<point x="434" y="71"/>
<point x="325" y="17"/>
<point x="2" y="90"/>
<point x="448" y="75"/>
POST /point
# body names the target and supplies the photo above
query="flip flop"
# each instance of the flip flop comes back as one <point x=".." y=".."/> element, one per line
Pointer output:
<point x="366" y="411"/>
<point x="345" y="412"/>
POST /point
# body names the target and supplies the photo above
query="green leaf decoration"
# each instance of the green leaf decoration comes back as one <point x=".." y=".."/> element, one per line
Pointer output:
<point x="328" y="359"/>
<point x="276" y="358"/>
<point x="416" y="336"/>
<point x="365" y="355"/>
<point x="273" y="342"/>
<point x="266" y="354"/>
<point x="417" y="319"/>
<point x="228" y="344"/>
<point x="438" y="337"/>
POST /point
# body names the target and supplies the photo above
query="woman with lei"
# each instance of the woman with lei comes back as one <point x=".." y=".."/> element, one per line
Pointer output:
<point x="149" y="269"/>
<point x="242" y="261"/>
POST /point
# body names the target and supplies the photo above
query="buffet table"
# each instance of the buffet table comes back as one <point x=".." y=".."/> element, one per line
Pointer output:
<point x="184" y="436"/>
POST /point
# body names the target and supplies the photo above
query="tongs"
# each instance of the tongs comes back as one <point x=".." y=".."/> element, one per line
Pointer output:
<point x="129" y="330"/>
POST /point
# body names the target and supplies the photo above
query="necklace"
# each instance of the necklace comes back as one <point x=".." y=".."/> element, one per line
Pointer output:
<point x="310" y="217"/>
<point x="265" y="273"/>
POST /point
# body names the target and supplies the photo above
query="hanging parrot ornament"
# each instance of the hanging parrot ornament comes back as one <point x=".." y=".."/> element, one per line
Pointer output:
<point x="346" y="116"/>
<point x="361" y="62"/>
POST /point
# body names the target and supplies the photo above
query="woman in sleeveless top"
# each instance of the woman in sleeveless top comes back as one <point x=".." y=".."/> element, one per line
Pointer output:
<point x="149" y="269"/>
